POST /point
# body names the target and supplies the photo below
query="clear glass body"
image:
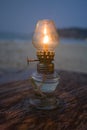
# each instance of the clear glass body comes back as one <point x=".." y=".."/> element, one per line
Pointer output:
<point x="47" y="83"/>
<point x="45" y="36"/>
<point x="44" y="95"/>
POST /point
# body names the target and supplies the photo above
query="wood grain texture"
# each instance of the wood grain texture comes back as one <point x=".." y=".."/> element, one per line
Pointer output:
<point x="17" y="114"/>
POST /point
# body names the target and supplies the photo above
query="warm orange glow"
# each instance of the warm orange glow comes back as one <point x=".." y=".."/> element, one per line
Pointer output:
<point x="46" y="39"/>
<point x="45" y="31"/>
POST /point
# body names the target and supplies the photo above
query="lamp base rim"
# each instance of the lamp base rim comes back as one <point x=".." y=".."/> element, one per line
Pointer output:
<point x="45" y="103"/>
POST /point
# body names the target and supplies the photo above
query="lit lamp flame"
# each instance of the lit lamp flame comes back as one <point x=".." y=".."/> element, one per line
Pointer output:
<point x="45" y="39"/>
<point x="45" y="31"/>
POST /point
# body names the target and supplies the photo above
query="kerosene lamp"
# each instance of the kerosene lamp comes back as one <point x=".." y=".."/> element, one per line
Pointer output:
<point x="45" y="79"/>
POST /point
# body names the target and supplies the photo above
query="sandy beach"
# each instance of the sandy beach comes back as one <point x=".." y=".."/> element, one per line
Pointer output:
<point x="13" y="55"/>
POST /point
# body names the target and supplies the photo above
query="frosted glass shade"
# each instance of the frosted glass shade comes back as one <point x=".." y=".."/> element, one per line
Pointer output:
<point x="45" y="36"/>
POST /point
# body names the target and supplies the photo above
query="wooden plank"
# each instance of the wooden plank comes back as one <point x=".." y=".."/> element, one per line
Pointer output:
<point x="17" y="114"/>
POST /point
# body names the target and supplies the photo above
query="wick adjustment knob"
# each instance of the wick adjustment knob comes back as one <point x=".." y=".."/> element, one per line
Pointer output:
<point x="31" y="60"/>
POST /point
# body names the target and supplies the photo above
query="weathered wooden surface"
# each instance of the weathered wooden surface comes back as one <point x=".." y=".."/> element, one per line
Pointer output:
<point x="17" y="114"/>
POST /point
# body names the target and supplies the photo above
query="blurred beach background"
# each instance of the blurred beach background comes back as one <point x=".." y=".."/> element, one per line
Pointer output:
<point x="17" y="22"/>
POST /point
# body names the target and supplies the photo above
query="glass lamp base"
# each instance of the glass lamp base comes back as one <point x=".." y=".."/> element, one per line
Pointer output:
<point x="47" y="103"/>
<point x="44" y="87"/>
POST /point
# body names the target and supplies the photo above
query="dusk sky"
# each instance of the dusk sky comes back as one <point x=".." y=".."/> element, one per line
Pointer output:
<point x="22" y="15"/>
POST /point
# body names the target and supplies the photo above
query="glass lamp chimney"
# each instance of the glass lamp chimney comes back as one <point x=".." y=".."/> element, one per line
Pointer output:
<point x="45" y="36"/>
